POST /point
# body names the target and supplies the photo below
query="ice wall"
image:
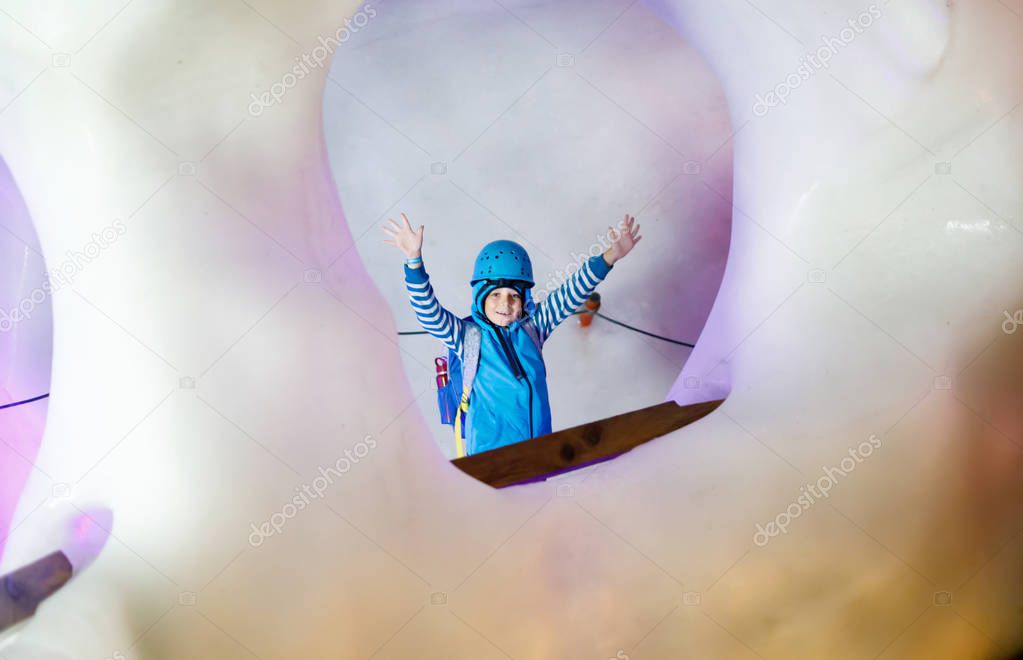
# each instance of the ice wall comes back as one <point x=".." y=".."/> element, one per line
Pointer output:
<point x="611" y="131"/>
<point x="26" y="340"/>
<point x="229" y="352"/>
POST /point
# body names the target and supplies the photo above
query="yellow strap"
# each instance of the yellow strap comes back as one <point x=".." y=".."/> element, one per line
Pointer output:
<point x="463" y="406"/>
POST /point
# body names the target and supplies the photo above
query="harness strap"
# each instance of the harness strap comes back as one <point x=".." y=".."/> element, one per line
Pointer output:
<point x="463" y="408"/>
<point x="470" y="354"/>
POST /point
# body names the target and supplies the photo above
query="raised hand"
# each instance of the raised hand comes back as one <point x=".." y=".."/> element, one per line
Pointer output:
<point x="409" y="241"/>
<point x="622" y="242"/>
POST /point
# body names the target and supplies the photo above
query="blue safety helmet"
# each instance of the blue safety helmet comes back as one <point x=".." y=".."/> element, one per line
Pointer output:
<point x="503" y="260"/>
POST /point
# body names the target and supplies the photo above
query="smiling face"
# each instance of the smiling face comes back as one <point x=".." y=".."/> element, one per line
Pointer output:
<point x="503" y="306"/>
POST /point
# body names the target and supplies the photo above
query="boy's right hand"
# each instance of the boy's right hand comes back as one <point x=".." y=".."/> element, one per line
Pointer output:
<point x="407" y="240"/>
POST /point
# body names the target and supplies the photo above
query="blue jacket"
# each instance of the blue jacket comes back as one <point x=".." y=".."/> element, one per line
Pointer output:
<point x="509" y="401"/>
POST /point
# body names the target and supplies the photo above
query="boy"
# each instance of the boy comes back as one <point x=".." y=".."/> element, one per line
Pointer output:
<point x="508" y="398"/>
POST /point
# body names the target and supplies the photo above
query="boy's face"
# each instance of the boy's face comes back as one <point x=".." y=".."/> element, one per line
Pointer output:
<point x="503" y="306"/>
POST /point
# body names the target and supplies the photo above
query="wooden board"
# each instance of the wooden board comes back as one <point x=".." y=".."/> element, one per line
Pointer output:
<point x="544" y="456"/>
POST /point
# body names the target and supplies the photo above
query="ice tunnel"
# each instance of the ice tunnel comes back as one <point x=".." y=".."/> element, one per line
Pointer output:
<point x="244" y="452"/>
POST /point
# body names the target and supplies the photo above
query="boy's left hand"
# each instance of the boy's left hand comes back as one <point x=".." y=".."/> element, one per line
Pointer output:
<point x="622" y="242"/>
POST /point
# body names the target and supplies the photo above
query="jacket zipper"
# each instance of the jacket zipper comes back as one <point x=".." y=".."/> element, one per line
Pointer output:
<point x="520" y="372"/>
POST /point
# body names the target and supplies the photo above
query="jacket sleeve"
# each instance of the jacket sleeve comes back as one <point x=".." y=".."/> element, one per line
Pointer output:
<point x="566" y="299"/>
<point x="433" y="318"/>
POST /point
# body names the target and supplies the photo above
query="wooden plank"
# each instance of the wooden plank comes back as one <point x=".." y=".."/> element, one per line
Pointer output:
<point x="544" y="456"/>
<point x="23" y="590"/>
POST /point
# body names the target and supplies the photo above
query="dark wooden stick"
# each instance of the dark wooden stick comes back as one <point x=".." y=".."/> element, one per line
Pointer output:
<point x="547" y="455"/>
<point x="22" y="591"/>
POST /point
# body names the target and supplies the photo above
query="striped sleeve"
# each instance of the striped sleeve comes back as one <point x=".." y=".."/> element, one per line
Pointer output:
<point x="566" y="299"/>
<point x="433" y="318"/>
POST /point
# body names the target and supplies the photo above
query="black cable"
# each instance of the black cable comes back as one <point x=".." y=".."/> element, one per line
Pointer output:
<point x="648" y="334"/>
<point x="606" y="318"/>
<point x="19" y="403"/>
<point x="423" y="332"/>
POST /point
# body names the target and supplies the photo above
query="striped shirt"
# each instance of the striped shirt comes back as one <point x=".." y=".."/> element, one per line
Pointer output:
<point x="555" y="308"/>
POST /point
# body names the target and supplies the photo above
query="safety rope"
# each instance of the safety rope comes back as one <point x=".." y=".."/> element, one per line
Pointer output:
<point x="606" y="318"/>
